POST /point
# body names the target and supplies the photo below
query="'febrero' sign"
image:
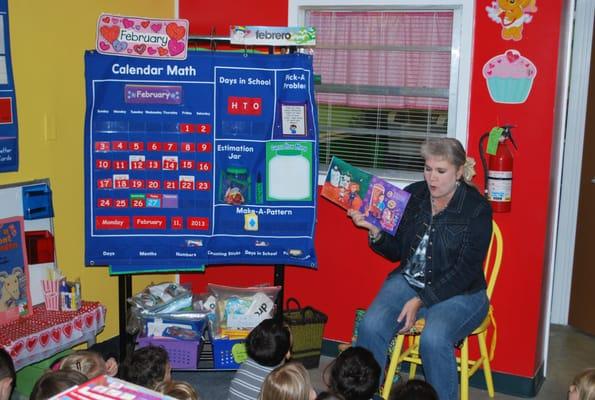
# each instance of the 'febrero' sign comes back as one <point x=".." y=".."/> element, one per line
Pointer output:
<point x="273" y="36"/>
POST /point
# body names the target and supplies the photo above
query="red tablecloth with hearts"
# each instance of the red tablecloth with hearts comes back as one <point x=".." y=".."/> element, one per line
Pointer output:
<point x="44" y="333"/>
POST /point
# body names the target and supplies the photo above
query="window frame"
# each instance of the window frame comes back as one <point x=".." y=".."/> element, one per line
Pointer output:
<point x="461" y="54"/>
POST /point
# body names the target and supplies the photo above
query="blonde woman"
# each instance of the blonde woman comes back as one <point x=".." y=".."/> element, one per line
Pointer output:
<point x="290" y="381"/>
<point x="441" y="244"/>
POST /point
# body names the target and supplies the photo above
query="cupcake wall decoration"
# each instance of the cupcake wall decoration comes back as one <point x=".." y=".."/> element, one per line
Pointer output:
<point x="509" y="77"/>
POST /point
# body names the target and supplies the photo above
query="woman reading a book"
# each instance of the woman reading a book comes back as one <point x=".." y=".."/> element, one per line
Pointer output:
<point x="441" y="243"/>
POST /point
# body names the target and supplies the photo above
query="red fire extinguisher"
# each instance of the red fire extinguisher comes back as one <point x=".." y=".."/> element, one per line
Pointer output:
<point x="498" y="170"/>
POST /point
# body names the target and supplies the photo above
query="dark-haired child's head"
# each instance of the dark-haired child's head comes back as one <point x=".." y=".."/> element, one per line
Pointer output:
<point x="269" y="342"/>
<point x="53" y="382"/>
<point x="354" y="374"/>
<point x="413" y="389"/>
<point x="147" y="366"/>
<point x="8" y="376"/>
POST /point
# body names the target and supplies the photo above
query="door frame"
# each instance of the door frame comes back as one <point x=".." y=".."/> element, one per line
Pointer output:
<point x="572" y="161"/>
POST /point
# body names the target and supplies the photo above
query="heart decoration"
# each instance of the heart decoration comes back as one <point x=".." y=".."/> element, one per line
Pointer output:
<point x="56" y="334"/>
<point x="89" y="320"/>
<point x="110" y="33"/>
<point x="44" y="339"/>
<point x="175" y="47"/>
<point x="127" y="23"/>
<point x="129" y="50"/>
<point x="115" y="20"/>
<point x="162" y="51"/>
<point x="512" y="56"/>
<point x="78" y="324"/>
<point x="144" y="24"/>
<point x="67" y="329"/>
<point x="119" y="46"/>
<point x="156" y="27"/>
<point x="175" y="31"/>
<point x="103" y="46"/>
<point x="140" y="48"/>
<point x="16" y="349"/>
<point x="151" y="50"/>
<point x="106" y="19"/>
<point x="137" y="27"/>
<point x="31" y="342"/>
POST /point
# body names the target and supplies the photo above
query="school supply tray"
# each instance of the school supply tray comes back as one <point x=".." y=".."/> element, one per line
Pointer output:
<point x="307" y="325"/>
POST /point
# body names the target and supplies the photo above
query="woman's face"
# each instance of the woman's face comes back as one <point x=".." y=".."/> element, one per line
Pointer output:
<point x="441" y="176"/>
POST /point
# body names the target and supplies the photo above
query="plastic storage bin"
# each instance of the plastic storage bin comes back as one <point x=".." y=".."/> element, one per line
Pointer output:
<point x="228" y="354"/>
<point x="183" y="354"/>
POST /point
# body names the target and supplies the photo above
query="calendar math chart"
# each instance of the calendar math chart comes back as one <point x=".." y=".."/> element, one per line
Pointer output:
<point x="209" y="160"/>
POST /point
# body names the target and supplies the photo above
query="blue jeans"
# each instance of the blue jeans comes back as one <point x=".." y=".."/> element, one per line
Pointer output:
<point x="447" y="323"/>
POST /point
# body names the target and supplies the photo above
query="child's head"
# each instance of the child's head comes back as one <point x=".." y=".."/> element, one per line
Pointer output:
<point x="53" y="382"/>
<point x="269" y="342"/>
<point x="414" y="389"/>
<point x="147" y="367"/>
<point x="8" y="376"/>
<point x="289" y="381"/>
<point x="178" y="389"/>
<point x="88" y="363"/>
<point x="354" y="374"/>
<point x="583" y="386"/>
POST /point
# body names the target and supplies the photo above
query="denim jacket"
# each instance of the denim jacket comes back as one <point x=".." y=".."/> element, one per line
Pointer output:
<point x="458" y="242"/>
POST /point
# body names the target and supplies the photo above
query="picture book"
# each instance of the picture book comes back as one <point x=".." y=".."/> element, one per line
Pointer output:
<point x="108" y="388"/>
<point x="382" y="203"/>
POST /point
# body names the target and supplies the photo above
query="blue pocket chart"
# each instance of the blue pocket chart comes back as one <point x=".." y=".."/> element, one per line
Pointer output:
<point x="209" y="160"/>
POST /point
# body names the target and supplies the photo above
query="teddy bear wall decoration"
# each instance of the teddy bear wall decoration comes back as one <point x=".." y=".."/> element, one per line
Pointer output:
<point x="512" y="15"/>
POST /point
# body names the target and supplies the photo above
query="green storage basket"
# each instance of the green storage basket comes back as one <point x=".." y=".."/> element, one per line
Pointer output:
<point x="307" y="326"/>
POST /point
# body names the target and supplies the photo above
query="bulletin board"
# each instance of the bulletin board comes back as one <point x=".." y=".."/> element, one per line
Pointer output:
<point x="210" y="160"/>
<point x="9" y="150"/>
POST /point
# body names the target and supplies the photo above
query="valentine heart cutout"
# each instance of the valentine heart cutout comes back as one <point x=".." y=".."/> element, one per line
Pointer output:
<point x="140" y="48"/>
<point x="110" y="33"/>
<point x="127" y="23"/>
<point x="175" y="31"/>
<point x="175" y="47"/>
<point x="119" y="46"/>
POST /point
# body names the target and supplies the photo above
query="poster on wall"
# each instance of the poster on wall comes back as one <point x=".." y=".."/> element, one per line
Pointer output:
<point x="196" y="162"/>
<point x="14" y="290"/>
<point x="9" y="150"/>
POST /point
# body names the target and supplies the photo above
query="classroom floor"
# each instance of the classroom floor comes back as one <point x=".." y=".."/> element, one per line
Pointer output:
<point x="570" y="352"/>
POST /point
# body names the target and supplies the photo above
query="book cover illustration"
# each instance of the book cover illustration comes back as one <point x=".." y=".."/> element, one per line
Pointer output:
<point x="345" y="185"/>
<point x="109" y="388"/>
<point x="382" y="203"/>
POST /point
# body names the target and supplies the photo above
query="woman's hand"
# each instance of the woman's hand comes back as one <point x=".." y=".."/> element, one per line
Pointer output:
<point x="360" y="220"/>
<point x="409" y="313"/>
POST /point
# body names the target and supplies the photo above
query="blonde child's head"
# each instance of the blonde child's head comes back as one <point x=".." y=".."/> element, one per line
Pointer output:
<point x="290" y="381"/>
<point x="177" y="389"/>
<point x="88" y="363"/>
<point x="583" y="386"/>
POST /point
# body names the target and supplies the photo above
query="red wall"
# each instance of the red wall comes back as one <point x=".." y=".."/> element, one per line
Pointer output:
<point x="349" y="273"/>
